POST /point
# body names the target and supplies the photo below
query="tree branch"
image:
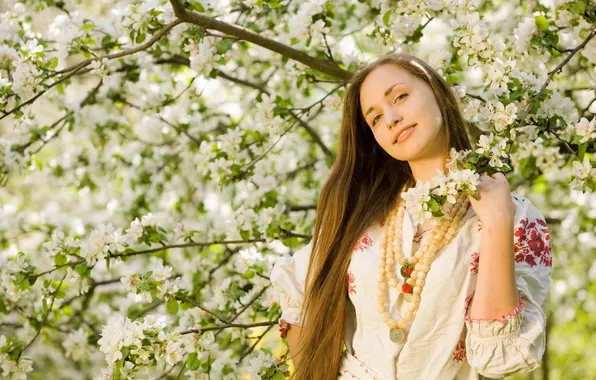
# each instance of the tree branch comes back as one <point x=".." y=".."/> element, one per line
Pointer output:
<point x="230" y="325"/>
<point x="72" y="70"/>
<point x="250" y="36"/>
<point x="313" y="134"/>
<point x="552" y="74"/>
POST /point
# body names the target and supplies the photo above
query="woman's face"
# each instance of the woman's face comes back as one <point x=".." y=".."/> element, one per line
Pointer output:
<point x="402" y="112"/>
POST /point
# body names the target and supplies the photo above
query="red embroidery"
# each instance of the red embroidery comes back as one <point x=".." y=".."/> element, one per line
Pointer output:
<point x="284" y="326"/>
<point x="475" y="263"/>
<point x="364" y="243"/>
<point x="468" y="300"/>
<point x="349" y="373"/>
<point x="459" y="355"/>
<point x="351" y="285"/>
<point x="532" y="243"/>
<point x="505" y="317"/>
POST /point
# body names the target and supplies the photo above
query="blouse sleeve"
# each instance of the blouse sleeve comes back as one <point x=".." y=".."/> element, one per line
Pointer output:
<point x="516" y="342"/>
<point x="288" y="277"/>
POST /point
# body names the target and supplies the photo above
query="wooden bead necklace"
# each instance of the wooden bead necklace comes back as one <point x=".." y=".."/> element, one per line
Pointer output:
<point x="415" y="268"/>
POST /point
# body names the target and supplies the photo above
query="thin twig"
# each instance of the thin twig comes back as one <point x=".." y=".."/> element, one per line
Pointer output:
<point x="72" y="70"/>
<point x="45" y="318"/>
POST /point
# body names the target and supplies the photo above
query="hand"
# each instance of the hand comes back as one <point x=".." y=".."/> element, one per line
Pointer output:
<point x="494" y="203"/>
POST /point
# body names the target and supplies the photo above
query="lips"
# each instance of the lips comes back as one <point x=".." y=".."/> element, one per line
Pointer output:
<point x="401" y="131"/>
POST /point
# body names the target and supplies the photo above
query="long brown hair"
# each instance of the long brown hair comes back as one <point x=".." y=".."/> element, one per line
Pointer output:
<point x="363" y="184"/>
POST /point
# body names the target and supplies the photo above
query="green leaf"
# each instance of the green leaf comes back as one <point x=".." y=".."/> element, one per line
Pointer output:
<point x="196" y="6"/>
<point x="172" y="306"/>
<point x="386" y="17"/>
<point x="433" y="205"/>
<point x="60" y="259"/>
<point x="83" y="270"/>
<point x="582" y="151"/>
<point x="579" y="7"/>
<point x="245" y="234"/>
<point x="88" y="27"/>
<point x="541" y="23"/>
<point x="38" y="163"/>
<point x="193" y="362"/>
<point x="52" y="63"/>
<point x="279" y="376"/>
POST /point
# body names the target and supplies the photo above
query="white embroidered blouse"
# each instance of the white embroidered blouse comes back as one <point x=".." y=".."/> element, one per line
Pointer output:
<point x="442" y="342"/>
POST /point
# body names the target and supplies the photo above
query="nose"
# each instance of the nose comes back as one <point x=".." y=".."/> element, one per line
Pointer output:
<point x="392" y="117"/>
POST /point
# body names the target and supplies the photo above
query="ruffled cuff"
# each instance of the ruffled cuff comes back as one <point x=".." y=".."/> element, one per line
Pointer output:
<point x="507" y="324"/>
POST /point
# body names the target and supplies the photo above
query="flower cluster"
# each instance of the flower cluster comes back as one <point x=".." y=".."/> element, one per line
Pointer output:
<point x="156" y="281"/>
<point x="474" y="40"/>
<point x="426" y="199"/>
<point x="202" y="55"/>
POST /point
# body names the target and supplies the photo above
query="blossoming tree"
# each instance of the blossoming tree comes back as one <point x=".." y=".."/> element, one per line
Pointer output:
<point x="157" y="156"/>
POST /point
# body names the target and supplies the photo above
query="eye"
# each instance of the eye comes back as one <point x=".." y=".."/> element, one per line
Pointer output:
<point x="400" y="97"/>
<point x="375" y="119"/>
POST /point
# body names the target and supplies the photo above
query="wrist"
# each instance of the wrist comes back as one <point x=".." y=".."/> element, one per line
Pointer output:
<point x="500" y="218"/>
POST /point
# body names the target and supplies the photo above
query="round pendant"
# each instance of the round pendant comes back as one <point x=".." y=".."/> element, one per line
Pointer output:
<point x="396" y="335"/>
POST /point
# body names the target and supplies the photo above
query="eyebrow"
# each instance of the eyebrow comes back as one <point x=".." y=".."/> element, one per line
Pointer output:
<point x="387" y="92"/>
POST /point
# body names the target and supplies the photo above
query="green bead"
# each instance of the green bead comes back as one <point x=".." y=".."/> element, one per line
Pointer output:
<point x="396" y="335"/>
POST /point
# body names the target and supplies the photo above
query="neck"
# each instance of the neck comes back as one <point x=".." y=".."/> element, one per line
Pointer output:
<point x="424" y="170"/>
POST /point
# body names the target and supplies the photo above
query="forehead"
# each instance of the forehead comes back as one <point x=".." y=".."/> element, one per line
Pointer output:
<point x="372" y="90"/>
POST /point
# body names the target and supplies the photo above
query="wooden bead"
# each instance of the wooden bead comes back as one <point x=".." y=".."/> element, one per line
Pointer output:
<point x="381" y="309"/>
<point x="415" y="298"/>
<point x="421" y="275"/>
<point x="409" y="316"/>
<point x="420" y="282"/>
<point x="381" y="285"/>
<point x="393" y="282"/>
<point x="417" y="289"/>
<point x="392" y="324"/>
<point x="402" y="323"/>
<point x="385" y="316"/>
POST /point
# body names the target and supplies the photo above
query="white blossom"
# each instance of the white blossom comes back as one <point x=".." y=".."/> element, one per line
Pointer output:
<point x="586" y="130"/>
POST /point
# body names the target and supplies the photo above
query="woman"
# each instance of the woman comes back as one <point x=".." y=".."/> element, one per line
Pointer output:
<point x="460" y="299"/>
